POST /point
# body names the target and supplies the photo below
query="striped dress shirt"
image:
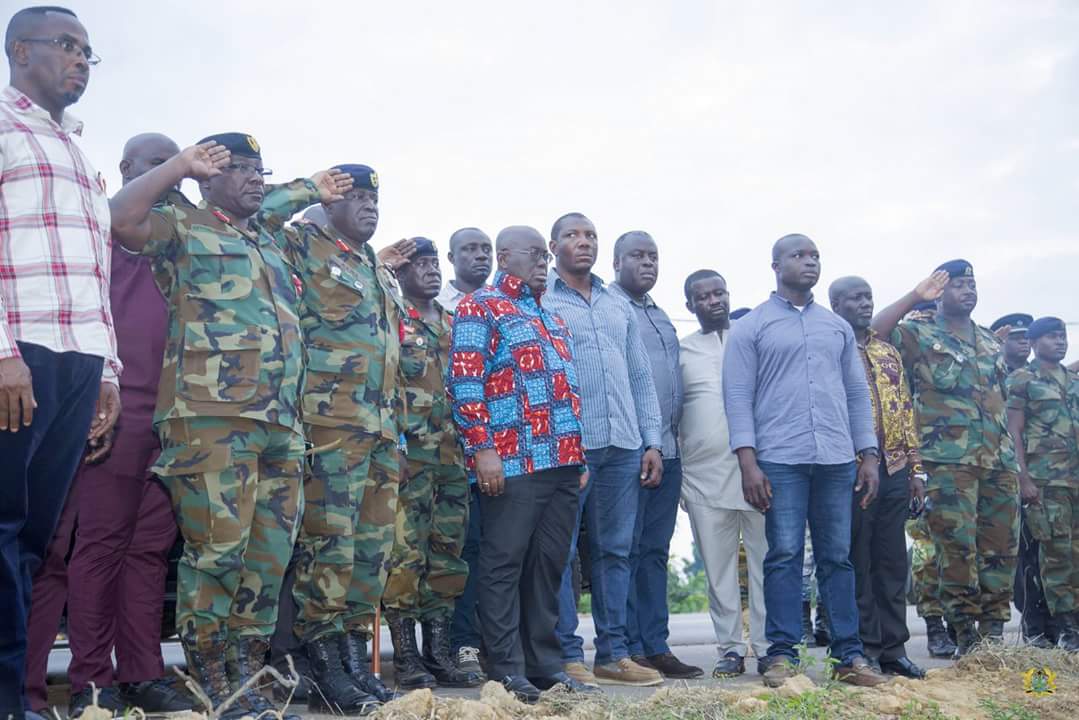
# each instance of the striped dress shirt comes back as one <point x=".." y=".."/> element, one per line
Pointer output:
<point x="619" y="406"/>
<point x="55" y="257"/>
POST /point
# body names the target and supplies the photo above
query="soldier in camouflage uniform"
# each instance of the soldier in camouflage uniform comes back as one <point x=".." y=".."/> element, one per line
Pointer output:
<point x="958" y="375"/>
<point x="228" y="404"/>
<point x="426" y="570"/>
<point x="1043" y="411"/>
<point x="352" y="403"/>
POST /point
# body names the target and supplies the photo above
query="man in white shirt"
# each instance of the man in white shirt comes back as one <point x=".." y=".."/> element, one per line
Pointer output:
<point x="712" y="482"/>
<point x="471" y="254"/>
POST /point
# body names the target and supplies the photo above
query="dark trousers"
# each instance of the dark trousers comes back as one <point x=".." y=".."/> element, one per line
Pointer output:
<point x="878" y="551"/>
<point x="38" y="464"/>
<point x="647" y="616"/>
<point x="466" y="630"/>
<point x="284" y="641"/>
<point x="117" y="568"/>
<point x="1028" y="596"/>
<point x="526" y="538"/>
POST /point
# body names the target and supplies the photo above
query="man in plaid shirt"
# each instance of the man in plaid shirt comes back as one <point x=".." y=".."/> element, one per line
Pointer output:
<point x="57" y="343"/>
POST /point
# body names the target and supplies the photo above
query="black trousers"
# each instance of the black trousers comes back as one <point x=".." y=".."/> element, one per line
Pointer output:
<point x="878" y="551"/>
<point x="1028" y="596"/>
<point x="39" y="463"/>
<point x="526" y="538"/>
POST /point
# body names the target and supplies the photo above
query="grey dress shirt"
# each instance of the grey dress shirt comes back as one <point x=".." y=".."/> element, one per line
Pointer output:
<point x="619" y="407"/>
<point x="661" y="341"/>
<point x="795" y="387"/>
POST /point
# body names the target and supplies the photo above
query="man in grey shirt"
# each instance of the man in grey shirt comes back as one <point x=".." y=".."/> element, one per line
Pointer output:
<point x="620" y="427"/>
<point x="799" y="412"/>
<point x="636" y="265"/>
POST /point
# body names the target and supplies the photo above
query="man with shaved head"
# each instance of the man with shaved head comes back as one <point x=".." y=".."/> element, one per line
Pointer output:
<point x="878" y="538"/>
<point x="801" y="424"/>
<point x="517" y="407"/>
<point x="58" y="361"/>
<point x="125" y="522"/>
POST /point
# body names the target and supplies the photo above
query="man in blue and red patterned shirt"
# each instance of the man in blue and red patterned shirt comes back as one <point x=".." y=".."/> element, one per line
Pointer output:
<point x="517" y="406"/>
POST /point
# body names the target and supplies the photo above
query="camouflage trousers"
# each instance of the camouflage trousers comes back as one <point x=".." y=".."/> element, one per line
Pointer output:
<point x="975" y="528"/>
<point x="924" y="571"/>
<point x="235" y="486"/>
<point x="427" y="574"/>
<point x="1054" y="523"/>
<point x="339" y="580"/>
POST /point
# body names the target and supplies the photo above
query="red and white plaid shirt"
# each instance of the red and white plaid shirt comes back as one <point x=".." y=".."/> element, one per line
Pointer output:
<point x="54" y="237"/>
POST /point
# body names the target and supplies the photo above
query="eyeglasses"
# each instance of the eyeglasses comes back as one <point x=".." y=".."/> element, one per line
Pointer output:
<point x="536" y="254"/>
<point x="68" y="45"/>
<point x="248" y="170"/>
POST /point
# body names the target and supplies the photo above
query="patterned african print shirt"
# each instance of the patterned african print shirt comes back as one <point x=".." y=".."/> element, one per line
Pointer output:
<point x="893" y="406"/>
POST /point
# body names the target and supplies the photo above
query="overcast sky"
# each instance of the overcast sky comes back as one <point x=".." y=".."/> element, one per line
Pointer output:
<point x="897" y="135"/>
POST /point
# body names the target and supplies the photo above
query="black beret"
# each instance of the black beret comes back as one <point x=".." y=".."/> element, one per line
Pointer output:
<point x="240" y="144"/>
<point x="739" y="313"/>
<point x="363" y="177"/>
<point x="1019" y="322"/>
<point x="957" y="268"/>
<point x="424" y="247"/>
<point x="1044" y="326"/>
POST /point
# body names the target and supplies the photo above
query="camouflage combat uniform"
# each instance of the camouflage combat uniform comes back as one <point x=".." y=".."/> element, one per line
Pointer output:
<point x="351" y="406"/>
<point x="227" y="410"/>
<point x="427" y="573"/>
<point x="925" y="574"/>
<point x="1049" y="400"/>
<point x="969" y="456"/>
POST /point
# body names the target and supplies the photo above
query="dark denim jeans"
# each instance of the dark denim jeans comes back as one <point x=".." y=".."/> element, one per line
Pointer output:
<point x="465" y="629"/>
<point x="822" y="494"/>
<point x="609" y="503"/>
<point x="657" y="511"/>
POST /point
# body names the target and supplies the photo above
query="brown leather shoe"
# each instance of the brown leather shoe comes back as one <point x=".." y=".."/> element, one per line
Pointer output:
<point x="778" y="671"/>
<point x="672" y="667"/>
<point x="859" y="673"/>
<point x="580" y="672"/>
<point x="627" y="672"/>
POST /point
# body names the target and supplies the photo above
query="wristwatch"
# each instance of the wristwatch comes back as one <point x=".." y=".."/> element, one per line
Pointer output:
<point x="870" y="451"/>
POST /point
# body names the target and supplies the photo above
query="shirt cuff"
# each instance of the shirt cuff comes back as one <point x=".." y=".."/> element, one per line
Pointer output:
<point x="743" y="439"/>
<point x="110" y="374"/>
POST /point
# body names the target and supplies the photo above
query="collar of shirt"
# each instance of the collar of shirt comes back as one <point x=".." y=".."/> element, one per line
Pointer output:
<point x="785" y="301"/>
<point x="513" y="286"/>
<point x="554" y="280"/>
<point x="21" y="103"/>
<point x="645" y="302"/>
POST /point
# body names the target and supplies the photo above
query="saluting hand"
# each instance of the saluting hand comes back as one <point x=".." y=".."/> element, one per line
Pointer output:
<point x="206" y="160"/>
<point x="395" y="255"/>
<point x="933" y="286"/>
<point x="332" y="184"/>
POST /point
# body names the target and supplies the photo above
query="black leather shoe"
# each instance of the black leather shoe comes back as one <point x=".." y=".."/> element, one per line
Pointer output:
<point x="154" y="696"/>
<point x="729" y="665"/>
<point x="523" y="690"/>
<point x="902" y="666"/>
<point x="561" y="678"/>
<point x="107" y="699"/>
<point x="673" y="668"/>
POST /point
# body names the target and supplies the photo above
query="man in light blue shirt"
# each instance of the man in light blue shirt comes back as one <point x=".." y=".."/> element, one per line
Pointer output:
<point x="799" y="411"/>
<point x="620" y="420"/>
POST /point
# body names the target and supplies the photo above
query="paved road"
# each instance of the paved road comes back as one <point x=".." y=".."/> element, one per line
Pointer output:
<point x="691" y="640"/>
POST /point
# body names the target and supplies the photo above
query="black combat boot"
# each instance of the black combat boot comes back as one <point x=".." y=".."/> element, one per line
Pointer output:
<point x="207" y="668"/>
<point x="333" y="691"/>
<point x="1033" y="632"/>
<point x="353" y="651"/>
<point x="246" y="657"/>
<point x="939" y="643"/>
<point x="407" y="664"/>
<point x="807" y="625"/>
<point x="966" y="638"/>
<point x="436" y="656"/>
<point x="1069" y="632"/>
<point x="822" y="632"/>
<point x="991" y="631"/>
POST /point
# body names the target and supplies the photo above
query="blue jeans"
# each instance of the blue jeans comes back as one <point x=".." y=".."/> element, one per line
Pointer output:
<point x="609" y="504"/>
<point x="465" y="627"/>
<point x="646" y="613"/>
<point x="823" y="494"/>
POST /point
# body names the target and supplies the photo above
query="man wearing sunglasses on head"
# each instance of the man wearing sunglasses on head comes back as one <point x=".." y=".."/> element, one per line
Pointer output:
<point x="228" y="415"/>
